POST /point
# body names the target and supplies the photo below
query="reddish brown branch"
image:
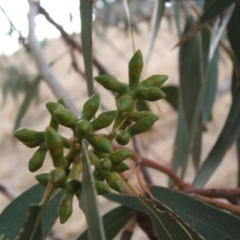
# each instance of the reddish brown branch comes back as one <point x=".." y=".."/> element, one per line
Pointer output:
<point x="230" y="194"/>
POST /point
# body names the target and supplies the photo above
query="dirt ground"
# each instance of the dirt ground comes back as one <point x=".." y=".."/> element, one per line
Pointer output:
<point x="158" y="144"/>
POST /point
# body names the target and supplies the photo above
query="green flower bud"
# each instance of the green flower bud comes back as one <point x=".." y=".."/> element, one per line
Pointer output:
<point x="103" y="120"/>
<point x="154" y="81"/>
<point x="94" y="159"/>
<point x="144" y="114"/>
<point x="42" y="178"/>
<point x="142" y="125"/>
<point x="113" y="181"/>
<point x="53" y="106"/>
<point x="65" y="207"/>
<point x="119" y="156"/>
<point x="36" y="161"/>
<point x="97" y="175"/>
<point x="90" y="107"/>
<point x="54" y="144"/>
<point x="61" y="101"/>
<point x="125" y="103"/>
<point x="83" y="127"/>
<point x="102" y="188"/>
<point x="150" y="94"/>
<point x="73" y="186"/>
<point x="118" y="120"/>
<point x="111" y="83"/>
<point x="57" y="176"/>
<point x="123" y="137"/>
<point x="65" y="118"/>
<point x="120" y="167"/>
<point x="104" y="164"/>
<point x="27" y="135"/>
<point x="100" y="154"/>
<point x="33" y="143"/>
<point x="135" y="67"/>
<point x="99" y="143"/>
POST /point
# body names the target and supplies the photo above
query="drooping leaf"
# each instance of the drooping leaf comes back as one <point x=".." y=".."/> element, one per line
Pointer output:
<point x="113" y="222"/>
<point x="190" y="87"/>
<point x="156" y="20"/>
<point x="12" y="217"/>
<point x="86" y="12"/>
<point x="228" y="135"/>
<point x="208" y="221"/>
<point x="88" y="200"/>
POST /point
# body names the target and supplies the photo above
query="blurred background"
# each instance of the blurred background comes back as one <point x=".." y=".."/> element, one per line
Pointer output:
<point x="24" y="92"/>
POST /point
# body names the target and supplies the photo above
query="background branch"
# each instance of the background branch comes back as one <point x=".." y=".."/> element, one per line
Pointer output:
<point x="42" y="63"/>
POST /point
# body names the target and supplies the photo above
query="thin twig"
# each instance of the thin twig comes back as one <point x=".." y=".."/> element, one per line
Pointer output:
<point x="42" y="63"/>
<point x="145" y="172"/>
<point x="140" y="180"/>
<point x="70" y="40"/>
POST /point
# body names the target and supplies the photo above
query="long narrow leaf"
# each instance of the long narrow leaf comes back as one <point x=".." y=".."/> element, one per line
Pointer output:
<point x="180" y="149"/>
<point x="113" y="222"/>
<point x="190" y="86"/>
<point x="145" y="206"/>
<point x="156" y="20"/>
<point x="165" y="223"/>
<point x="228" y="135"/>
<point x="232" y="125"/>
<point x="86" y="11"/>
<point x="12" y="217"/>
<point x="88" y="200"/>
<point x="177" y="8"/>
<point x="208" y="221"/>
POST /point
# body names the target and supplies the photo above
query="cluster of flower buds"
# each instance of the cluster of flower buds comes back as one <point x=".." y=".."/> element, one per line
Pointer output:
<point x="107" y="163"/>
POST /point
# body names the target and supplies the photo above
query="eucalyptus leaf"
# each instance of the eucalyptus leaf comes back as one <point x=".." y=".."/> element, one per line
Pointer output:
<point x="214" y="9"/>
<point x="88" y="200"/>
<point x="158" y="12"/>
<point x="29" y="225"/>
<point x="12" y="217"/>
<point x="113" y="222"/>
<point x="228" y="135"/>
<point x="86" y="12"/>
<point x="208" y="221"/>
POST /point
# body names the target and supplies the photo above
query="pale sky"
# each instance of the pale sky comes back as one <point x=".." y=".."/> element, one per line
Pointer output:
<point x="17" y="11"/>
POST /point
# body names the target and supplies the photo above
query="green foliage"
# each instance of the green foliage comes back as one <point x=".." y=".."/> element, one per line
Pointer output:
<point x="90" y="163"/>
